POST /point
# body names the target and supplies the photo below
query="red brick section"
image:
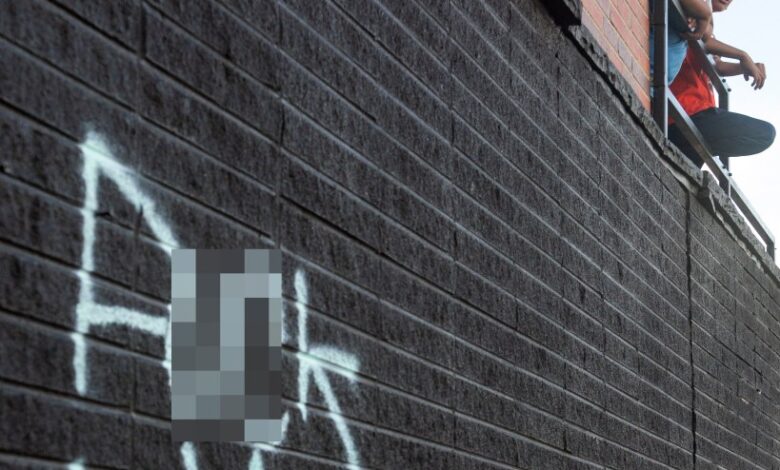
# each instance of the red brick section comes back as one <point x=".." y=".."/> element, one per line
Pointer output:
<point x="622" y="27"/>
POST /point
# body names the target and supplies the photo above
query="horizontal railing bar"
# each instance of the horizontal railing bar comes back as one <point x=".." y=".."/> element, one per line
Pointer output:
<point x="666" y="104"/>
<point x="747" y="209"/>
<point x="694" y="137"/>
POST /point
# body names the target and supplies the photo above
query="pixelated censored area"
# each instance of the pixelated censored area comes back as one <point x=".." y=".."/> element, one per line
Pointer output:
<point x="226" y="318"/>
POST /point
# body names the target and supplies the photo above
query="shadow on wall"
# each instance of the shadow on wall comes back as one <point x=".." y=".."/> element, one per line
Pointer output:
<point x="98" y="160"/>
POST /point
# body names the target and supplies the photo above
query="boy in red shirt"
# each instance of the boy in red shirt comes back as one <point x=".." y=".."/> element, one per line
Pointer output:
<point x="726" y="134"/>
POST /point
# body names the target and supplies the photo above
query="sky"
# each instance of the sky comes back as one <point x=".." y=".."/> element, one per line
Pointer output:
<point x="750" y="26"/>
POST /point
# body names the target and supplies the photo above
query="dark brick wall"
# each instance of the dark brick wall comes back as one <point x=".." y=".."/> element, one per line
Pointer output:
<point x="490" y="262"/>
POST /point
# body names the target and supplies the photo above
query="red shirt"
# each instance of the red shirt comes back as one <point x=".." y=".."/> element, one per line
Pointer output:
<point x="692" y="86"/>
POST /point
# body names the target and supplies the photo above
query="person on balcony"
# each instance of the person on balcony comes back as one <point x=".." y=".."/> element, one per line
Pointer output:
<point x="727" y="134"/>
<point x="699" y="14"/>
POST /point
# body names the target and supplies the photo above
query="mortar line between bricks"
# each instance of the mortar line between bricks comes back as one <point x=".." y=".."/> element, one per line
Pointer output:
<point x="487" y="352"/>
<point x="642" y="120"/>
<point x="524" y="271"/>
<point x="21" y="318"/>
<point x="65" y="10"/>
<point x="553" y="229"/>
<point x="569" y="160"/>
<point x="32" y="122"/>
<point x="21" y="49"/>
<point x="748" y="255"/>
<point x="317" y="409"/>
<point x="767" y="453"/>
<point x="64" y="203"/>
<point x="320" y="80"/>
<point x="731" y="453"/>
<point x="422" y="6"/>
<point x="368" y="381"/>
<point x="188" y="91"/>
<point x="579" y="196"/>
<point x="511" y="67"/>
<point x="639" y="181"/>
<point x="97" y="278"/>
<point x="281" y="449"/>
<point x="583" y="340"/>
<point x="430" y="363"/>
<point x="621" y="135"/>
<point x="152" y="420"/>
<point x="217" y="56"/>
<point x="70" y="204"/>
<point x="717" y="280"/>
<point x="581" y="398"/>
<point x="590" y="346"/>
<point x="534" y="183"/>
<point x="759" y="336"/>
<point x="37" y="459"/>
<point x="227" y="9"/>
<point x="381" y="49"/>
<point x="64" y="75"/>
<point x="77" y="401"/>
<point x="388" y="94"/>
<point x="389" y="52"/>
<point x="352" y="195"/>
<point x="491" y="11"/>
<point x="362" y="158"/>
<point x="490" y="246"/>
<point x="690" y="329"/>
<point x="500" y="287"/>
<point x="726" y="406"/>
<point x="205" y="45"/>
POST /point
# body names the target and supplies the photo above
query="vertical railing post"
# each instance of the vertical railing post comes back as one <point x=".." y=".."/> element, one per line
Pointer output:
<point x="660" y="25"/>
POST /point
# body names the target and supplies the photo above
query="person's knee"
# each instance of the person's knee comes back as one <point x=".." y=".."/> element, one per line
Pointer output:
<point x="769" y="134"/>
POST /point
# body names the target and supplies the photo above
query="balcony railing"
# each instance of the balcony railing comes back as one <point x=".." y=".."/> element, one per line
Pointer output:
<point x="664" y="104"/>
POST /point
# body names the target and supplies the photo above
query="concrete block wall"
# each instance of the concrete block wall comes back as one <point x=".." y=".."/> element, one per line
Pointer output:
<point x="622" y="29"/>
<point x="488" y="261"/>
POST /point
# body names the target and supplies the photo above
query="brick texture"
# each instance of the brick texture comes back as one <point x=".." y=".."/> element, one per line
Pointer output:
<point x="488" y="261"/>
<point x="622" y="29"/>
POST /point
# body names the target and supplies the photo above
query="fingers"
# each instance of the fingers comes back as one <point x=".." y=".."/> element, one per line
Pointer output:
<point x="758" y="82"/>
<point x="760" y="77"/>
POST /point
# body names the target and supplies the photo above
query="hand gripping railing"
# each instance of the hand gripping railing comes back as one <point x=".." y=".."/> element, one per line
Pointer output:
<point x="664" y="102"/>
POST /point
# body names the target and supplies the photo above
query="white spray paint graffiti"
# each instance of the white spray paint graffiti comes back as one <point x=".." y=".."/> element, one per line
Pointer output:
<point x="76" y="465"/>
<point x="98" y="160"/>
<point x="309" y="366"/>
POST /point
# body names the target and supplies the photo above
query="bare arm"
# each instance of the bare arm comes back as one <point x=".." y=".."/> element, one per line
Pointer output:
<point x="746" y="66"/>
<point x="728" y="69"/>
<point x="699" y="15"/>
<point x="697" y="9"/>
<point x="721" y="49"/>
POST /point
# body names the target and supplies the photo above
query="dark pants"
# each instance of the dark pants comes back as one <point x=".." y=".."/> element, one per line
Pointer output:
<point x="727" y="134"/>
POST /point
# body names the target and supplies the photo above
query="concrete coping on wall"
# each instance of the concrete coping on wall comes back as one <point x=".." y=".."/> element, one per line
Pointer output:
<point x="700" y="184"/>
